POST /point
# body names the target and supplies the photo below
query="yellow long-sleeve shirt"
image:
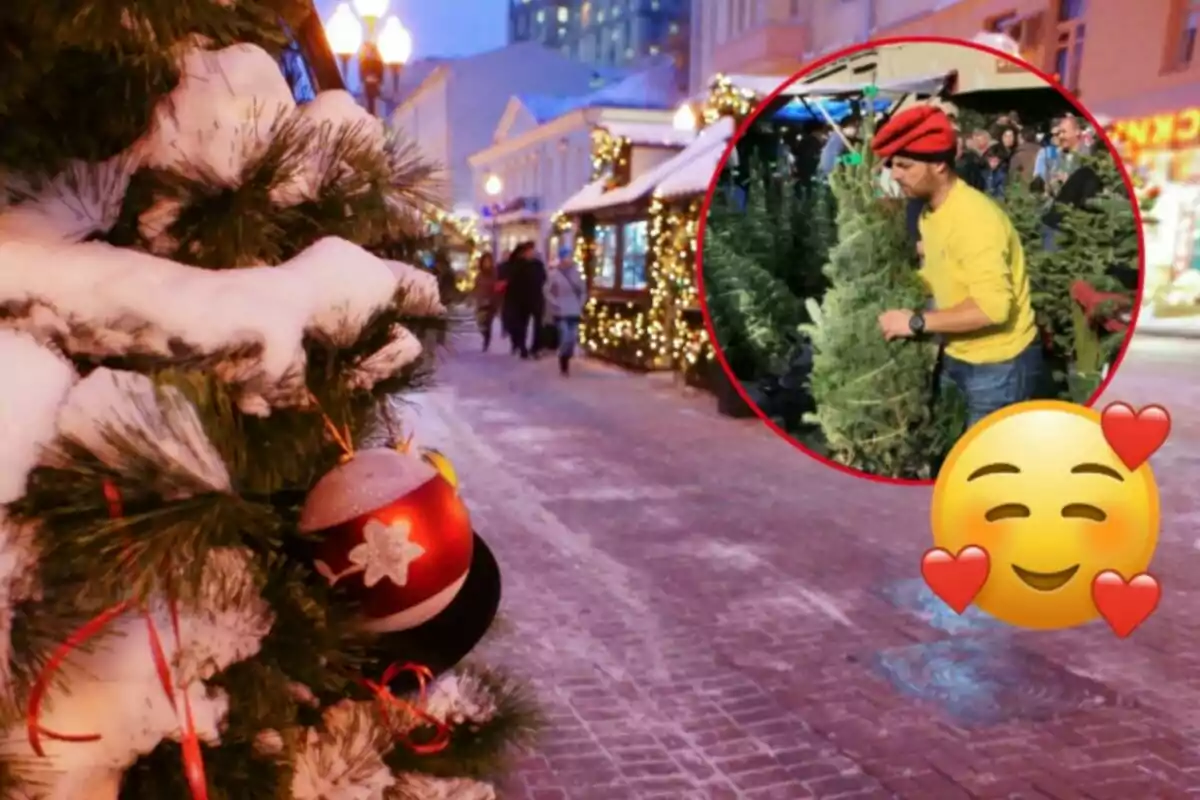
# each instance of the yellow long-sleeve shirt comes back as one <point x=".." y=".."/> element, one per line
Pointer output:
<point x="973" y="251"/>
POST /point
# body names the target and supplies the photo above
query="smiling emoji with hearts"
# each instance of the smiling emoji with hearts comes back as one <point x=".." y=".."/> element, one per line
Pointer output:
<point x="1046" y="515"/>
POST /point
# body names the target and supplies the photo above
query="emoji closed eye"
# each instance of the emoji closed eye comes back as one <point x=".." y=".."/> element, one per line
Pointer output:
<point x="1007" y="511"/>
<point x="1083" y="511"/>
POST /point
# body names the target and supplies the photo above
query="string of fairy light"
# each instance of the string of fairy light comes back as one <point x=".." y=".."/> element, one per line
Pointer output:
<point x="466" y="229"/>
<point x="658" y="337"/>
<point x="610" y="156"/>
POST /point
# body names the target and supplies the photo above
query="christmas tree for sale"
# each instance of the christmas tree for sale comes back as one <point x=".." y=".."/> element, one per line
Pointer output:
<point x="1095" y="244"/>
<point x="760" y="264"/>
<point x="873" y="397"/>
<point x="226" y="568"/>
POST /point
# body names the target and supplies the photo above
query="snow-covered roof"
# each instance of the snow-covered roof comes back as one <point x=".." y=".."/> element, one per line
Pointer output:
<point x="653" y="89"/>
<point x="649" y="133"/>
<point x="709" y="141"/>
<point x="692" y="170"/>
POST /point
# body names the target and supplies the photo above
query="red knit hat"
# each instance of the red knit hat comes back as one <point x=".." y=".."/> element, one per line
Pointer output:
<point x="922" y="133"/>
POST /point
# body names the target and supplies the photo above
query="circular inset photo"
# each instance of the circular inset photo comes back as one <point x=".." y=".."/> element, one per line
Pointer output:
<point x="908" y="236"/>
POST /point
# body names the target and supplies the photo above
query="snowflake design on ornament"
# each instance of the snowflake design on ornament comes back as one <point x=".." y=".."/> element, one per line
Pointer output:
<point x="386" y="552"/>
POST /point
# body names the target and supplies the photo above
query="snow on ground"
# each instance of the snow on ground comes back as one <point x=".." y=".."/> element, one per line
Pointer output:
<point x="706" y="613"/>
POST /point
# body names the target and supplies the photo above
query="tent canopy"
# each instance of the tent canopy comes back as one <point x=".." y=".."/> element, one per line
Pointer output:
<point x="806" y="110"/>
<point x="762" y="86"/>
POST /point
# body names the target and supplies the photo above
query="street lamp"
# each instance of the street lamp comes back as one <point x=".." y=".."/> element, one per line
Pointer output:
<point x="376" y="47"/>
<point x="493" y="186"/>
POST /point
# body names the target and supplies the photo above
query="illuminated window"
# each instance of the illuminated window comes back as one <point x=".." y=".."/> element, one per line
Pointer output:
<point x="633" y="256"/>
<point x="606" y="257"/>
<point x="673" y="28"/>
<point x="564" y="14"/>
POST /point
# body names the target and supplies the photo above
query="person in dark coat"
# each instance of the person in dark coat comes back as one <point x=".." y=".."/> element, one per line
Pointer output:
<point x="1022" y="164"/>
<point x="506" y="308"/>
<point x="524" y="298"/>
<point x="486" y="294"/>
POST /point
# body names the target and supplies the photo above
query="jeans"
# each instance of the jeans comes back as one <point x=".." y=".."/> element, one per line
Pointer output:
<point x="568" y="335"/>
<point x="1049" y="239"/>
<point x="990" y="387"/>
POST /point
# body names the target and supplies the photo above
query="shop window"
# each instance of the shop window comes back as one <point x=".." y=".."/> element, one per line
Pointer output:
<point x="1068" y="50"/>
<point x="605" y="276"/>
<point x="1185" y="23"/>
<point x="633" y="256"/>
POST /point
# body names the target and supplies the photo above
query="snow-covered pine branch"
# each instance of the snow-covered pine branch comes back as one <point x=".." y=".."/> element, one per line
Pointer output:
<point x="112" y="689"/>
<point x="97" y="301"/>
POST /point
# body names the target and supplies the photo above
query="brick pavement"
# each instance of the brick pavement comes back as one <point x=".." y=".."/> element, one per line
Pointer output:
<point x="706" y="613"/>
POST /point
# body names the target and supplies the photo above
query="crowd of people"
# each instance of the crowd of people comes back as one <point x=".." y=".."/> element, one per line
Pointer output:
<point x="538" y="308"/>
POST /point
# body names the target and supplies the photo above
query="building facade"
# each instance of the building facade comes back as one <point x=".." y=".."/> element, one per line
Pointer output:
<point x="454" y="110"/>
<point x="747" y="37"/>
<point x="611" y="32"/>
<point x="541" y="150"/>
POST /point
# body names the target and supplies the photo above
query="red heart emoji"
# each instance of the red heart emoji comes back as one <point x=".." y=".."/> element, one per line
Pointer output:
<point x="1135" y="435"/>
<point x="956" y="579"/>
<point x="1125" y="604"/>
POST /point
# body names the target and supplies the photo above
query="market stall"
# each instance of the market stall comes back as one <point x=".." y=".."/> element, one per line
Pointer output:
<point x="611" y="223"/>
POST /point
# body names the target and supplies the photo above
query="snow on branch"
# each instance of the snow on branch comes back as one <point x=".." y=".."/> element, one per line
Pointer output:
<point x="99" y="302"/>
<point x="221" y="114"/>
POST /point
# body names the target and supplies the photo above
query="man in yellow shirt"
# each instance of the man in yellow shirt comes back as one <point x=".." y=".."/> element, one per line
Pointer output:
<point x="974" y="268"/>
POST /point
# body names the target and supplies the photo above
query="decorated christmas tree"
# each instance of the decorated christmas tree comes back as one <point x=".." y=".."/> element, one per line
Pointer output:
<point x="873" y="397"/>
<point x="227" y="570"/>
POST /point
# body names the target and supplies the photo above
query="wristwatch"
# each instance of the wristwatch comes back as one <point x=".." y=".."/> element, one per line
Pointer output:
<point x="916" y="323"/>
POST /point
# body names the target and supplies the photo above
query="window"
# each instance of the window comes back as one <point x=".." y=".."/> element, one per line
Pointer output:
<point x="1070" y="10"/>
<point x="1187" y="22"/>
<point x="541" y="15"/>
<point x="606" y="257"/>
<point x="633" y="256"/>
<point x="564" y="14"/>
<point x="1068" y="50"/>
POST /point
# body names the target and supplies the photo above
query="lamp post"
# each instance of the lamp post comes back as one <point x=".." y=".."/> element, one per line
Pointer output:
<point x="493" y="186"/>
<point x="378" y="48"/>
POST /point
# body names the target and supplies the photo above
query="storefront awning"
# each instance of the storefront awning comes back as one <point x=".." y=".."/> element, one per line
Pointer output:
<point x="763" y="85"/>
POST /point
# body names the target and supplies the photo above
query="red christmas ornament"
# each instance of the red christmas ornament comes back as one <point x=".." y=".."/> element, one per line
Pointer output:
<point x="393" y="530"/>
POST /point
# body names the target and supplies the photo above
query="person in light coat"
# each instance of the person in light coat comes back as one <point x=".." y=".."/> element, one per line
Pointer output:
<point x="566" y="293"/>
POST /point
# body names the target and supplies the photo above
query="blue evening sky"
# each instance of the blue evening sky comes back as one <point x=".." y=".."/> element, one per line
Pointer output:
<point x="446" y="27"/>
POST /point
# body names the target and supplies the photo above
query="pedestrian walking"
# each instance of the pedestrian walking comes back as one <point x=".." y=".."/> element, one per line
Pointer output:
<point x="524" y="301"/>
<point x="506" y="308"/>
<point x="565" y="293"/>
<point x="487" y="293"/>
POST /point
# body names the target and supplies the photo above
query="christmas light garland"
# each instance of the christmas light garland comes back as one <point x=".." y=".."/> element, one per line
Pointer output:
<point x="610" y="157"/>
<point x="468" y="231"/>
<point x="727" y="100"/>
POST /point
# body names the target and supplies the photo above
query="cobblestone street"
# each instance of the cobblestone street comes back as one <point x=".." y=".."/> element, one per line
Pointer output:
<point x="707" y="613"/>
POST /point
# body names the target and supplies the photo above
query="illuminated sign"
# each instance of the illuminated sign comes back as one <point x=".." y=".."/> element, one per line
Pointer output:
<point x="1161" y="131"/>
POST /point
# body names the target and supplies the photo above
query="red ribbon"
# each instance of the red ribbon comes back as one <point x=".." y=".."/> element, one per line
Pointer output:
<point x="193" y="760"/>
<point x="388" y="701"/>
